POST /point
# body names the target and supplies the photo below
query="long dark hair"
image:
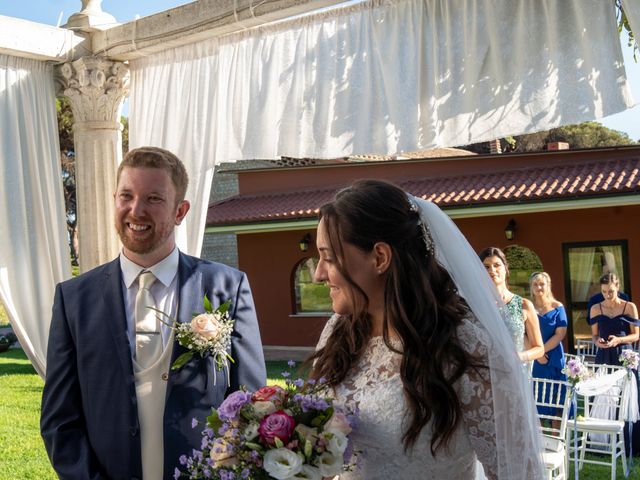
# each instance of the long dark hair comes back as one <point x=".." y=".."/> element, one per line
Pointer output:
<point x="422" y="305"/>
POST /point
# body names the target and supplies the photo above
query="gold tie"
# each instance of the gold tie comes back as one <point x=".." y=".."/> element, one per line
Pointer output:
<point x="148" y="336"/>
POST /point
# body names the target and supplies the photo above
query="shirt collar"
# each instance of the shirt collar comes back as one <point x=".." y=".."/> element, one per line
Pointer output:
<point x="165" y="270"/>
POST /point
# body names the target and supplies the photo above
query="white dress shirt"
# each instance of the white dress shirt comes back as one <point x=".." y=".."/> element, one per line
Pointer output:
<point x="164" y="291"/>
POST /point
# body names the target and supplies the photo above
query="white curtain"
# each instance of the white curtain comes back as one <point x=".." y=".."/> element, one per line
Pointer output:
<point x="378" y="77"/>
<point x="34" y="254"/>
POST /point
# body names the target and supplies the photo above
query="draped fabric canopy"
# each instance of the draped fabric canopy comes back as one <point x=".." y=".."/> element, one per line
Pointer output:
<point x="383" y="76"/>
<point x="34" y="253"/>
<point x="377" y="77"/>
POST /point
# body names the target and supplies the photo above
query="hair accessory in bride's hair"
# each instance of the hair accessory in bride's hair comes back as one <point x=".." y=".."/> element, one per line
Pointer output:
<point x="426" y="236"/>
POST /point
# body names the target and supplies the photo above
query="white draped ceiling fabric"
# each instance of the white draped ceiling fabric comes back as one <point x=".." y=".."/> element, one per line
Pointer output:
<point x="377" y="77"/>
<point x="34" y="253"/>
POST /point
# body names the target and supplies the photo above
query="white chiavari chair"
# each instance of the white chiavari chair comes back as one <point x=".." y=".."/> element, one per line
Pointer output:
<point x="600" y="429"/>
<point x="586" y="349"/>
<point x="552" y="399"/>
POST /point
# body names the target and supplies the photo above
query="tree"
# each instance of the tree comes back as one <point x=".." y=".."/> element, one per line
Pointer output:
<point x="581" y="135"/>
<point x="68" y="167"/>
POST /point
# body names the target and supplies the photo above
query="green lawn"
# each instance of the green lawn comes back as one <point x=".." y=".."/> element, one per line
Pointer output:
<point x="22" y="454"/>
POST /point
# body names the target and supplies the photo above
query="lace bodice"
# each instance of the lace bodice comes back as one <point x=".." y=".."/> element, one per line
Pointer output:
<point x="374" y="387"/>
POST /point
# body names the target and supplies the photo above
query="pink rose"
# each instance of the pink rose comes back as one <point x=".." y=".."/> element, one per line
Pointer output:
<point x="271" y="393"/>
<point x="338" y="422"/>
<point x="206" y="325"/>
<point x="278" y="424"/>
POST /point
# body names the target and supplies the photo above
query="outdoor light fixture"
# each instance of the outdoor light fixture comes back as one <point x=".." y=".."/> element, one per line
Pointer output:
<point x="304" y="242"/>
<point x="510" y="229"/>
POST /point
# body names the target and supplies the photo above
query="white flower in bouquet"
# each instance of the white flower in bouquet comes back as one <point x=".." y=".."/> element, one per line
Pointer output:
<point x="330" y="464"/>
<point x="339" y="422"/>
<point x="308" y="473"/>
<point x="336" y="442"/>
<point x="282" y="463"/>
<point x="264" y="408"/>
<point x="251" y="431"/>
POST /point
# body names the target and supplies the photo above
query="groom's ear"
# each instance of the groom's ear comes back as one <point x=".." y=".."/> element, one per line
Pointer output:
<point x="382" y="256"/>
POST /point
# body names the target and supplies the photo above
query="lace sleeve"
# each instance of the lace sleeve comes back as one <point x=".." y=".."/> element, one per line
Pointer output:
<point x="477" y="399"/>
<point x="491" y="402"/>
<point x="326" y="331"/>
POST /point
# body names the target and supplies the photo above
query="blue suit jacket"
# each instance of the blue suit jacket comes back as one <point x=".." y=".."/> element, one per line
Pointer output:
<point x="89" y="419"/>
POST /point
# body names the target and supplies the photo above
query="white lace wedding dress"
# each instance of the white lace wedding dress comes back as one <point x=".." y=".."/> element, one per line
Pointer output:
<point x="374" y="387"/>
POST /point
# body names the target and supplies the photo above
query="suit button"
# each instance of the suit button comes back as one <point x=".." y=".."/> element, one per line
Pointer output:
<point x="165" y="376"/>
<point x="133" y="431"/>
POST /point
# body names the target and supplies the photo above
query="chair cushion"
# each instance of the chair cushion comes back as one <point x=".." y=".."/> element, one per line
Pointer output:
<point x="600" y="425"/>
<point x="552" y="444"/>
<point x="553" y="459"/>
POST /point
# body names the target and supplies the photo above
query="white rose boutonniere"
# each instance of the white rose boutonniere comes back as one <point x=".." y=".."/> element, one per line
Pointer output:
<point x="208" y="334"/>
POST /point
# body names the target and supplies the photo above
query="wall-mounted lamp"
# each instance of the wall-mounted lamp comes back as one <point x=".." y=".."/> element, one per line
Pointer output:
<point x="304" y="242"/>
<point x="510" y="229"/>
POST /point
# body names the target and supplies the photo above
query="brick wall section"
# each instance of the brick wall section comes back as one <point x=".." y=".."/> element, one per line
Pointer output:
<point x="223" y="247"/>
<point x="220" y="247"/>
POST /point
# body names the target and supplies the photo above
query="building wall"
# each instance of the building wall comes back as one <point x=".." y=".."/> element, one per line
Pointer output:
<point x="269" y="259"/>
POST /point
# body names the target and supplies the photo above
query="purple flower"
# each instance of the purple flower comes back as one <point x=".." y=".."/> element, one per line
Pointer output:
<point x="285" y="374"/>
<point x="183" y="459"/>
<point x="194" y="423"/>
<point x="229" y="409"/>
<point x="291" y="363"/>
<point x="245" y="473"/>
<point x="298" y="382"/>
<point x="176" y="473"/>
<point x="311" y="402"/>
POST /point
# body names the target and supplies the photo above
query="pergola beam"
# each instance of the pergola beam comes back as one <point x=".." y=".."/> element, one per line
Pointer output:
<point x="25" y="39"/>
<point x="194" y="22"/>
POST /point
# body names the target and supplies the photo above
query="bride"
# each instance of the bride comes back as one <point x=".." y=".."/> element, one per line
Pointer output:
<point x="417" y="344"/>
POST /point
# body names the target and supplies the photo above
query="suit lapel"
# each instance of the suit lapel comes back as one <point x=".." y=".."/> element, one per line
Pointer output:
<point x="114" y="309"/>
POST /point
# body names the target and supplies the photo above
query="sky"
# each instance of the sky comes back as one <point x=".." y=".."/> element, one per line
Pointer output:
<point x="54" y="12"/>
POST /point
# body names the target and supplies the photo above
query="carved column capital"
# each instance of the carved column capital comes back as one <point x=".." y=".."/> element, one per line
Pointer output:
<point x="96" y="88"/>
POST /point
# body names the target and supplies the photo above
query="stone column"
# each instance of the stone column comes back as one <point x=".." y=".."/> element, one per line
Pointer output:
<point x="96" y="88"/>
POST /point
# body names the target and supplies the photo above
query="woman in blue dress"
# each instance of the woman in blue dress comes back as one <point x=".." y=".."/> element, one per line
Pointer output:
<point x="613" y="322"/>
<point x="553" y="326"/>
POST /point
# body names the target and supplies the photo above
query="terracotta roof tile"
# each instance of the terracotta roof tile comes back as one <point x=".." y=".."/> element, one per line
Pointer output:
<point x="596" y="178"/>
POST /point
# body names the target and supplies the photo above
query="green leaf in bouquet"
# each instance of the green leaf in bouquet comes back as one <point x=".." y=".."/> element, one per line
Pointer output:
<point x="322" y="417"/>
<point x="224" y="308"/>
<point x="181" y="360"/>
<point x="207" y="305"/>
<point x="278" y="442"/>
<point x="255" y="446"/>
<point x="308" y="449"/>
<point x="213" y="420"/>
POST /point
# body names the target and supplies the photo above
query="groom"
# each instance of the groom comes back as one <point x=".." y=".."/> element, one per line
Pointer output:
<point x="112" y="407"/>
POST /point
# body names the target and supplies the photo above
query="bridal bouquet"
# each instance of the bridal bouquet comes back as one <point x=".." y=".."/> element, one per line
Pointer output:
<point x="630" y="359"/>
<point x="575" y="371"/>
<point x="208" y="334"/>
<point x="284" y="433"/>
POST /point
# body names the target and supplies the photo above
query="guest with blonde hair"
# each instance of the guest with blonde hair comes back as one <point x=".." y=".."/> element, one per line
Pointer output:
<point x="552" y="318"/>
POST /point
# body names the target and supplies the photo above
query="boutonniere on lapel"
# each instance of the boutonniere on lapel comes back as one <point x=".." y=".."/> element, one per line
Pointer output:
<point x="208" y="334"/>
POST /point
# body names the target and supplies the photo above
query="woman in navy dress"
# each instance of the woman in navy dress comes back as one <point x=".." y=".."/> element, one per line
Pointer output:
<point x="553" y="326"/>
<point x="612" y="322"/>
<point x="614" y="326"/>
